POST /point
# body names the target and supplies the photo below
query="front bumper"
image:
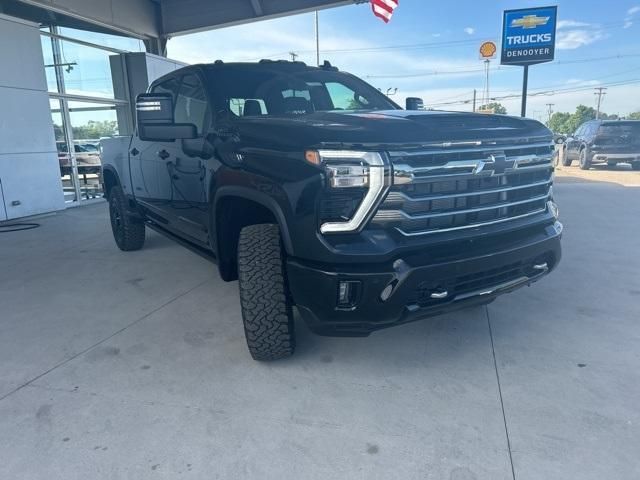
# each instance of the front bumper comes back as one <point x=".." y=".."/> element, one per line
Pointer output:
<point x="418" y="290"/>
<point x="616" y="157"/>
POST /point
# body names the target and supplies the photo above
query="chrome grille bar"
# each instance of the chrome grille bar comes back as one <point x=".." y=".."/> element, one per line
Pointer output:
<point x="475" y="149"/>
<point x="403" y="197"/>
<point x="474" y="225"/>
<point x="398" y="214"/>
<point x="404" y="173"/>
<point x="469" y="185"/>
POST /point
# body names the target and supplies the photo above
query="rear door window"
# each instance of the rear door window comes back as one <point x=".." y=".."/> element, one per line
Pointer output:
<point x="620" y="130"/>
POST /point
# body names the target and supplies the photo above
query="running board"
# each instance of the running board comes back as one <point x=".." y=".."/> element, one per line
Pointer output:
<point x="198" y="250"/>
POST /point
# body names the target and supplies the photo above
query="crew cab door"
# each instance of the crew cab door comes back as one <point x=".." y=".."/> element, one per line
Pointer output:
<point x="187" y="167"/>
<point x="573" y="143"/>
<point x="148" y="163"/>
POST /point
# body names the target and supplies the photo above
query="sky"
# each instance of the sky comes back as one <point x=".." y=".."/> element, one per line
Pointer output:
<point x="430" y="50"/>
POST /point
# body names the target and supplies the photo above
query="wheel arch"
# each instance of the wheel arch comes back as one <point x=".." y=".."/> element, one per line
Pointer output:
<point x="233" y="208"/>
<point x="110" y="179"/>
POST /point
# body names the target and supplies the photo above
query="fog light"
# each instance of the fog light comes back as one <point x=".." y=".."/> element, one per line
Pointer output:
<point x="348" y="293"/>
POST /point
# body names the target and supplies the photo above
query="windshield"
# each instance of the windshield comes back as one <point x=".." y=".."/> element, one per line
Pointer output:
<point x="243" y="92"/>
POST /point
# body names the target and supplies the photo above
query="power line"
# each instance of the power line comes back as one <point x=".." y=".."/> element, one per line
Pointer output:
<point x="514" y="93"/>
<point x="421" y="46"/>
<point x="558" y="91"/>
<point x="477" y="70"/>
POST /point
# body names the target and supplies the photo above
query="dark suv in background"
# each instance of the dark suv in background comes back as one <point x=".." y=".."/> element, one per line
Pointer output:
<point x="604" y="141"/>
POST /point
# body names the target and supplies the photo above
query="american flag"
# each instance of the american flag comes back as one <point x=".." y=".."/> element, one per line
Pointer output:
<point x="384" y="8"/>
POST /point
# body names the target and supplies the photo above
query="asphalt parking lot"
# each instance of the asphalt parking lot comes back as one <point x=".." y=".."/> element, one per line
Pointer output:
<point x="134" y="366"/>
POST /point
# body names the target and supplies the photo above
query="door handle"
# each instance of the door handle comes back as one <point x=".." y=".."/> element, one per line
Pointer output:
<point x="163" y="154"/>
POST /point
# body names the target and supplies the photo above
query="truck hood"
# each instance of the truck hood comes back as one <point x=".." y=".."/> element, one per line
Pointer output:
<point x="381" y="129"/>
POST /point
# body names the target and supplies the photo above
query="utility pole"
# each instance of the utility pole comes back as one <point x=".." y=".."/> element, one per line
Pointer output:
<point x="549" y="111"/>
<point x="317" y="39"/>
<point x="474" y="99"/>
<point x="485" y="94"/>
<point x="600" y="92"/>
<point x="294" y="55"/>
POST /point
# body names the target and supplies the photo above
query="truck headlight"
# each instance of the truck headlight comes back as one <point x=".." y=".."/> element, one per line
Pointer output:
<point x="346" y="170"/>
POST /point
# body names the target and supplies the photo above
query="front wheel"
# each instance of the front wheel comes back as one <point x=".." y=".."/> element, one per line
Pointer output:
<point x="585" y="161"/>
<point x="128" y="232"/>
<point x="565" y="158"/>
<point x="264" y="296"/>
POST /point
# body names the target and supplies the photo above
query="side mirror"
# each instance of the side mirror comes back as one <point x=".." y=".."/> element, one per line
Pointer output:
<point x="414" y="103"/>
<point x="154" y="117"/>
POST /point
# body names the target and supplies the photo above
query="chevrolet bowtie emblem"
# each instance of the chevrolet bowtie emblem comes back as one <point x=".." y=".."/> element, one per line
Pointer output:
<point x="530" y="21"/>
<point x="498" y="161"/>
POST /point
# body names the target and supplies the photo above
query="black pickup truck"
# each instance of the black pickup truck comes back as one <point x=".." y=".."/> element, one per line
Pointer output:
<point x="316" y="191"/>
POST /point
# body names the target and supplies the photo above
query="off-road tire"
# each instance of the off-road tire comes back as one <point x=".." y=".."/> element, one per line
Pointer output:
<point x="635" y="165"/>
<point x="585" y="161"/>
<point x="264" y="297"/>
<point x="565" y="158"/>
<point x="128" y="232"/>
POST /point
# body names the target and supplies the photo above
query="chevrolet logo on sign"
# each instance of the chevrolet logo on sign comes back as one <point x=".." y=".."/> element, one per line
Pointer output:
<point x="529" y="21"/>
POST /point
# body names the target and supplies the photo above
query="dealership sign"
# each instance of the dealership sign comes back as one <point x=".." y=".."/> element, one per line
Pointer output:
<point x="529" y="36"/>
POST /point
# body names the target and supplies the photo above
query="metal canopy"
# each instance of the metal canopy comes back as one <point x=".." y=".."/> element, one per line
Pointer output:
<point x="157" y="19"/>
<point x="186" y="16"/>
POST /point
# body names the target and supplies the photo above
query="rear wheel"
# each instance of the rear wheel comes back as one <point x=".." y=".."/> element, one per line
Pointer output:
<point x="585" y="161"/>
<point x="264" y="296"/>
<point x="635" y="165"/>
<point x="128" y="232"/>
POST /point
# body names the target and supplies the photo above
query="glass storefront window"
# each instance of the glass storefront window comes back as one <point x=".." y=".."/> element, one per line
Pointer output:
<point x="89" y="123"/>
<point x="65" y="158"/>
<point x="78" y="77"/>
<point x="86" y="70"/>
<point x="111" y="41"/>
<point x="49" y="64"/>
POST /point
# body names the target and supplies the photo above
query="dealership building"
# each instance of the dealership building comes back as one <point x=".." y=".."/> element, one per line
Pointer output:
<point x="69" y="73"/>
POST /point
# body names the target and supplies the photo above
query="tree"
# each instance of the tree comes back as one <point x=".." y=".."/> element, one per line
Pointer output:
<point x="634" y="116"/>
<point x="567" y="123"/>
<point x="93" y="130"/>
<point x="493" y="107"/>
<point x="559" y="122"/>
<point x="581" y="115"/>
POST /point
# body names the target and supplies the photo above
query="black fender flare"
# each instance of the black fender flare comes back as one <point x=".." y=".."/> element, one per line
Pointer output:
<point x="261" y="198"/>
<point x="112" y="171"/>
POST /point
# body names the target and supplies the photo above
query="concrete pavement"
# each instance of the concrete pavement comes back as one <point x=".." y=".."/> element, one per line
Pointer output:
<point x="133" y="366"/>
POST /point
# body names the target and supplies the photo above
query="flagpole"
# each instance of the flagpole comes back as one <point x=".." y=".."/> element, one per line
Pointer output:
<point x="317" y="40"/>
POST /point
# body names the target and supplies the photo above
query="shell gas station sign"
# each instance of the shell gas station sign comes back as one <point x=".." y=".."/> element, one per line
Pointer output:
<point x="488" y="50"/>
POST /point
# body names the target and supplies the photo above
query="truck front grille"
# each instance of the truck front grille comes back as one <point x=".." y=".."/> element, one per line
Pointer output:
<point x="457" y="188"/>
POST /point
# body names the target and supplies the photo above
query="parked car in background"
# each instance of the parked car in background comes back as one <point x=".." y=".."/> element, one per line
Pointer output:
<point x="87" y="158"/>
<point x="604" y="141"/>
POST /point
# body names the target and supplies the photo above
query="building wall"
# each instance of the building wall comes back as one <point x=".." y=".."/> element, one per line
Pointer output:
<point x="29" y="168"/>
